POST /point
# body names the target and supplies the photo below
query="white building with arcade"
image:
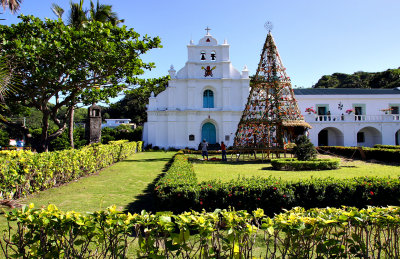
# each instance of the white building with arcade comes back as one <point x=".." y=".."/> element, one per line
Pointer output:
<point x="351" y="116"/>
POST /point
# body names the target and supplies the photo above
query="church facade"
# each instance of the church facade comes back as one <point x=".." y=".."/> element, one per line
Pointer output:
<point x="204" y="100"/>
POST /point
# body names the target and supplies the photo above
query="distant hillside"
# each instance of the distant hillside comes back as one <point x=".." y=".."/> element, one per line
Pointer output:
<point x="386" y="79"/>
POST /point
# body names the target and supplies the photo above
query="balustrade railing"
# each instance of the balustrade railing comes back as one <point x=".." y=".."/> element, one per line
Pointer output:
<point x="352" y="117"/>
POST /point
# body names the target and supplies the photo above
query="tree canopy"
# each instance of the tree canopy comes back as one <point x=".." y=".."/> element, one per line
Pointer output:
<point x="67" y="65"/>
<point x="133" y="105"/>
<point x="386" y="79"/>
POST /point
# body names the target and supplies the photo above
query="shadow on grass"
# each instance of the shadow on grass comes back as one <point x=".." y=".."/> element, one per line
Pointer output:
<point x="234" y="162"/>
<point x="145" y="200"/>
<point x="268" y="168"/>
<point x="146" y="160"/>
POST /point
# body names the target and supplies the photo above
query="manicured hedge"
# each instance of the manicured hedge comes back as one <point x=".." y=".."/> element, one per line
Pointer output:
<point x="292" y="164"/>
<point x="24" y="172"/>
<point x="298" y="233"/>
<point x="386" y="146"/>
<point x="382" y="154"/>
<point x="179" y="191"/>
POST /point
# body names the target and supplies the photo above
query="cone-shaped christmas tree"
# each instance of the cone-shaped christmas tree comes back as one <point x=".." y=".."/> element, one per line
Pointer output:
<point x="271" y="118"/>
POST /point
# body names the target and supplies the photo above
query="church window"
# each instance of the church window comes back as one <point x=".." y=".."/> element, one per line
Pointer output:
<point x="208" y="99"/>
<point x="213" y="55"/>
<point x="191" y="137"/>
<point x="203" y="55"/>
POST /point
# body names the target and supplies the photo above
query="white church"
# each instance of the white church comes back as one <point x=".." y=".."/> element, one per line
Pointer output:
<point x="205" y="100"/>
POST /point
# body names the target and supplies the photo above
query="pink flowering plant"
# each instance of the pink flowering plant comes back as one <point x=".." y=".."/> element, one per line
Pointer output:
<point x="310" y="110"/>
<point x="350" y="111"/>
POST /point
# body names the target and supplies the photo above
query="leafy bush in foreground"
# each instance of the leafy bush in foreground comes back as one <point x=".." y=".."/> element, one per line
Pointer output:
<point x="179" y="191"/>
<point x="298" y="233"/>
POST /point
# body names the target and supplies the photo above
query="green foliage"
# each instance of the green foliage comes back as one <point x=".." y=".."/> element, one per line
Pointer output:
<point x="121" y="132"/>
<point x="4" y="138"/>
<point x="87" y="64"/>
<point x="24" y="172"/>
<point x="304" y="149"/>
<point x="382" y="154"/>
<point x="292" y="164"/>
<point x="386" y="79"/>
<point x="60" y="143"/>
<point x="298" y="233"/>
<point x="386" y="146"/>
<point x="133" y="105"/>
<point x="178" y="190"/>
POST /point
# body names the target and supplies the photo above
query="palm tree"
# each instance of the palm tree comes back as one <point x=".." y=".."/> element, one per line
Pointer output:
<point x="13" y="5"/>
<point x="77" y="17"/>
<point x="103" y="13"/>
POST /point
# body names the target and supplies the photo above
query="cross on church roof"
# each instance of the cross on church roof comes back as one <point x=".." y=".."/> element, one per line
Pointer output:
<point x="207" y="29"/>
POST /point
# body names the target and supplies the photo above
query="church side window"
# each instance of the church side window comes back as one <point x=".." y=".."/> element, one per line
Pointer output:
<point x="202" y="55"/>
<point x="208" y="99"/>
<point x="213" y="55"/>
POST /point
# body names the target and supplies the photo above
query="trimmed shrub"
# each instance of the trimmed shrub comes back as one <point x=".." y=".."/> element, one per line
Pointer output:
<point x="178" y="190"/>
<point x="381" y="154"/>
<point x="298" y="233"/>
<point x="304" y="149"/>
<point x="25" y="172"/>
<point x="386" y="146"/>
<point x="292" y="164"/>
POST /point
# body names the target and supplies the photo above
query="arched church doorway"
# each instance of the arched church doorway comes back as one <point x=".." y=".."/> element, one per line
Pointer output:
<point x="368" y="137"/>
<point x="330" y="136"/>
<point x="209" y="133"/>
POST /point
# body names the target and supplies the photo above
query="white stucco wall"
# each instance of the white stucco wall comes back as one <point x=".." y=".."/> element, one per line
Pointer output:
<point x="378" y="127"/>
<point x="178" y="111"/>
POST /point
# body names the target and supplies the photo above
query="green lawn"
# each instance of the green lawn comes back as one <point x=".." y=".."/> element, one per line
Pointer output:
<point x="123" y="184"/>
<point x="225" y="171"/>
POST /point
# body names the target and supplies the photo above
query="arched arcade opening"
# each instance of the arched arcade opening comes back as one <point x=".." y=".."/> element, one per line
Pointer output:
<point x="330" y="136"/>
<point x="368" y="137"/>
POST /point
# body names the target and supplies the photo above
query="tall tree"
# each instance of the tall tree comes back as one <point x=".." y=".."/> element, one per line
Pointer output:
<point x="77" y="17"/>
<point x="71" y="65"/>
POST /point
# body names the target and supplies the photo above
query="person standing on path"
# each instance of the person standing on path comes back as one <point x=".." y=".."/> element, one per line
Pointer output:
<point x="204" y="146"/>
<point x="223" y="150"/>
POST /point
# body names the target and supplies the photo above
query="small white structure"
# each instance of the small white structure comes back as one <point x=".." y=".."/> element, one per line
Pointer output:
<point x="351" y="117"/>
<point x="112" y="123"/>
<point x="203" y="100"/>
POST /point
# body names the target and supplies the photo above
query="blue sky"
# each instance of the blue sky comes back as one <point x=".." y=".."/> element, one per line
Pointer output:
<point x="314" y="37"/>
